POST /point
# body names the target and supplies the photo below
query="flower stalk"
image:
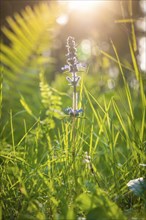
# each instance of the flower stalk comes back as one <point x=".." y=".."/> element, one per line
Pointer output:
<point x="72" y="67"/>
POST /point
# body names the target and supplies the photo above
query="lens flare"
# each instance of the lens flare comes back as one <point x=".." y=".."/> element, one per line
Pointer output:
<point x="62" y="19"/>
<point x="84" y="5"/>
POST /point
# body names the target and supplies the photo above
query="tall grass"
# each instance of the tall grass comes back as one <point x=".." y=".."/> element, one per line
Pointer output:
<point x="77" y="166"/>
<point x="41" y="180"/>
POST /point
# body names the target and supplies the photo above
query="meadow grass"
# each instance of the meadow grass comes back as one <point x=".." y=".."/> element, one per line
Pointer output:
<point x="78" y="169"/>
<point x="41" y="177"/>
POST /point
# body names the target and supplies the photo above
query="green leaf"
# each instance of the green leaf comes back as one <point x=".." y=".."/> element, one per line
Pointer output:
<point x="50" y="99"/>
<point x="85" y="202"/>
<point x="70" y="214"/>
<point x="98" y="206"/>
<point x="25" y="105"/>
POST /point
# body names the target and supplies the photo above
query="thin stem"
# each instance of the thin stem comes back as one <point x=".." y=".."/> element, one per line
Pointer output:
<point x="74" y="152"/>
<point x="74" y="137"/>
<point x="75" y="98"/>
<point x="75" y="95"/>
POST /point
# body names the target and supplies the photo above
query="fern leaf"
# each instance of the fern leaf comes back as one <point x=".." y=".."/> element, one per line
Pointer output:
<point x="51" y="100"/>
<point x="30" y="36"/>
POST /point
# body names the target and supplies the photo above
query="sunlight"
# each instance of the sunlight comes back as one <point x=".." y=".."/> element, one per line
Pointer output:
<point x="142" y="53"/>
<point x="62" y="19"/>
<point x="84" y="6"/>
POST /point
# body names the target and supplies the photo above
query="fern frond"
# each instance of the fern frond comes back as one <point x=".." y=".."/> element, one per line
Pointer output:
<point x="1" y="86"/>
<point x="50" y="100"/>
<point x="30" y="36"/>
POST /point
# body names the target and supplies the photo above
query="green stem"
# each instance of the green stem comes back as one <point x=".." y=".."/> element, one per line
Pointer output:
<point x="74" y="153"/>
<point x="75" y="98"/>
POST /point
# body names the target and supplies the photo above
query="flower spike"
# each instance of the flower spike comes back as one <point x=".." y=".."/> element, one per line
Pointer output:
<point x="73" y="67"/>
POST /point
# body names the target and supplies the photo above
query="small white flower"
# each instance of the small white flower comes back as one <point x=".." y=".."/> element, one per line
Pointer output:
<point x="87" y="158"/>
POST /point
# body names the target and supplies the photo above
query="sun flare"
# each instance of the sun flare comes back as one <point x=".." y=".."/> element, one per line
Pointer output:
<point x="84" y="5"/>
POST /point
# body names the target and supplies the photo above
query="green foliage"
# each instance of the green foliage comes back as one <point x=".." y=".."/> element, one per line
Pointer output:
<point x="61" y="167"/>
<point x="98" y="206"/>
<point x="30" y="36"/>
<point x="1" y="86"/>
<point x="51" y="102"/>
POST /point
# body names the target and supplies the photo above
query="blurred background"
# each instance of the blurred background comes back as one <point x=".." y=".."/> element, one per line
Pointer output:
<point x="95" y="26"/>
